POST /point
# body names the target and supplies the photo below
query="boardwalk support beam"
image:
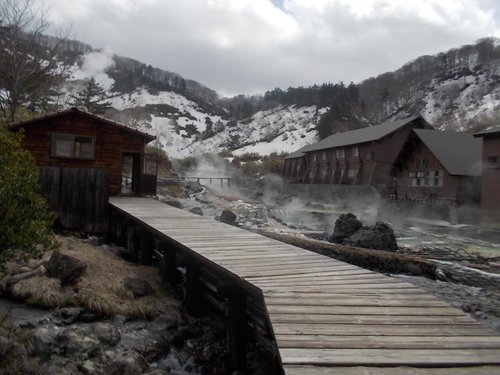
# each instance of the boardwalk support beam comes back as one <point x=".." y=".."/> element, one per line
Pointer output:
<point x="169" y="262"/>
<point x="236" y="323"/>
<point x="192" y="297"/>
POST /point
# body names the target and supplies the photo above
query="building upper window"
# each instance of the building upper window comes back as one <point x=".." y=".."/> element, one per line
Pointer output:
<point x="339" y="153"/>
<point x="355" y="152"/>
<point x="422" y="163"/>
<point x="73" y="146"/>
<point x="493" y="162"/>
<point x="323" y="155"/>
<point x="370" y="155"/>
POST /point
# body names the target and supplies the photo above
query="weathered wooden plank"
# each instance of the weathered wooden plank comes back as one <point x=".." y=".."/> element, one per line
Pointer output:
<point x="381" y="329"/>
<point x="400" y="370"/>
<point x="362" y="310"/>
<point x="352" y="319"/>
<point x="391" y="357"/>
<point x="387" y="342"/>
<point x="351" y="301"/>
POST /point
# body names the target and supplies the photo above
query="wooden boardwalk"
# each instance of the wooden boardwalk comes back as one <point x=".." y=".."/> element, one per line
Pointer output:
<point x="328" y="316"/>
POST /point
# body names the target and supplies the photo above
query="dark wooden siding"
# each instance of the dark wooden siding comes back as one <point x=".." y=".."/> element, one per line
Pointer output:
<point x="111" y="142"/>
<point x="78" y="195"/>
<point x="454" y="188"/>
<point x="490" y="201"/>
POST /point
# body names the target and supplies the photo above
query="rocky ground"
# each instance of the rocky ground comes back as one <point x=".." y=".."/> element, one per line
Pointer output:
<point x="116" y="317"/>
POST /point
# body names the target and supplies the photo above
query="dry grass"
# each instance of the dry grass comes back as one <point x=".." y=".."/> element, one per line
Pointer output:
<point x="101" y="288"/>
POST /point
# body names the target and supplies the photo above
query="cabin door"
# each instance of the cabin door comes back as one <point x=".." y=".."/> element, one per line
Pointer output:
<point x="130" y="173"/>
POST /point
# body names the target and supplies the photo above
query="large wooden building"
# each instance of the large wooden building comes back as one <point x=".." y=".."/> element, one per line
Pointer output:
<point x="439" y="165"/>
<point x="83" y="159"/>
<point x="357" y="157"/>
<point x="490" y="191"/>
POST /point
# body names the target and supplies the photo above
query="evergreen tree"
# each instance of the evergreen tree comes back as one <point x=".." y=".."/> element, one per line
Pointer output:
<point x="92" y="98"/>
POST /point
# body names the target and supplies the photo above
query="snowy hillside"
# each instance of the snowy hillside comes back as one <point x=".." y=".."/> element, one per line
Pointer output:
<point x="183" y="128"/>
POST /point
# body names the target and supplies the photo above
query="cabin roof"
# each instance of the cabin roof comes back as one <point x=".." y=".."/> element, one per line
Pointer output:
<point x="495" y="132"/>
<point x="459" y="153"/>
<point x="35" y="120"/>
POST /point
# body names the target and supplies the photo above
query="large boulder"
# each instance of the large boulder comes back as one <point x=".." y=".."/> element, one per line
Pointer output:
<point x="75" y="342"/>
<point x="65" y="268"/>
<point x="379" y="237"/>
<point x="228" y="217"/>
<point x="196" y="210"/>
<point x="345" y="225"/>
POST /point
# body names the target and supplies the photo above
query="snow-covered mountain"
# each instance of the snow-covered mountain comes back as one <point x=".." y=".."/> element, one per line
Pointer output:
<point x="458" y="89"/>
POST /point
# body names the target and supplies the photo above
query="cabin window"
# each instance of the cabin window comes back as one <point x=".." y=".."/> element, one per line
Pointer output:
<point x="493" y="162"/>
<point x="355" y="152"/>
<point x="73" y="146"/>
<point x="339" y="153"/>
<point x="323" y="155"/>
<point x="370" y="155"/>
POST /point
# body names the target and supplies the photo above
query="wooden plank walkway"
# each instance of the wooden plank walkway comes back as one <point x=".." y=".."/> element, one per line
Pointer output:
<point x="328" y="316"/>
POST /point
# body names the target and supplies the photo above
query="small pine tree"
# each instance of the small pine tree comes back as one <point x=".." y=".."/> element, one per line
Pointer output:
<point x="25" y="221"/>
<point x="92" y="98"/>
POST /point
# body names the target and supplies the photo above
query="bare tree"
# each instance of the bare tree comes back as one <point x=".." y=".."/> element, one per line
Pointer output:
<point x="30" y="69"/>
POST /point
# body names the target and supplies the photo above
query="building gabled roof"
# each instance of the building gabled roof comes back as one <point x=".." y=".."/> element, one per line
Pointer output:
<point x="369" y="134"/>
<point x="22" y="124"/>
<point x="299" y="153"/>
<point x="459" y="153"/>
<point x="495" y="132"/>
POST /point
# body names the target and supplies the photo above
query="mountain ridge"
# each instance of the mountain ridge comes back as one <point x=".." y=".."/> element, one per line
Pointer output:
<point x="455" y="90"/>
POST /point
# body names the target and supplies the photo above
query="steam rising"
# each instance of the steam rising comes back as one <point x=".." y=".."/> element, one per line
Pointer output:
<point x="94" y="65"/>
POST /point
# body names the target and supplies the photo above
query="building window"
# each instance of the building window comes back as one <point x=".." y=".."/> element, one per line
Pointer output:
<point x="493" y="162"/>
<point x="370" y="155"/>
<point x="73" y="146"/>
<point x="427" y="178"/>
<point x="355" y="152"/>
<point x="339" y="153"/>
<point x="422" y="163"/>
<point x="323" y="155"/>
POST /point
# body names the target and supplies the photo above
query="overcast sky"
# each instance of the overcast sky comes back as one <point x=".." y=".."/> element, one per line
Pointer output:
<point x="250" y="46"/>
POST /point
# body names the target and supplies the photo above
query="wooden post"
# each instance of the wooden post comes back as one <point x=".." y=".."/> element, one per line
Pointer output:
<point x="236" y="324"/>
<point x="169" y="263"/>
<point x="111" y="234"/>
<point x="146" y="247"/>
<point x="192" y="296"/>
<point x="133" y="242"/>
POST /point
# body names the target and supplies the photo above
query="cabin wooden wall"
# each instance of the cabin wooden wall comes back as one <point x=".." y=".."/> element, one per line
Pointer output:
<point x="111" y="142"/>
<point x="78" y="196"/>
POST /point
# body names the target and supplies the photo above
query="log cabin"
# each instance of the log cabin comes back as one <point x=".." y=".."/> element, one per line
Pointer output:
<point x="438" y="165"/>
<point x="83" y="159"/>
<point x="357" y="157"/>
<point x="490" y="187"/>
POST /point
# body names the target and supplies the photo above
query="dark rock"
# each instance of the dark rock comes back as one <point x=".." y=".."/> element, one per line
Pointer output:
<point x="65" y="268"/>
<point x="139" y="287"/>
<point x="228" y="217"/>
<point x="106" y="333"/>
<point x="345" y="225"/>
<point x="74" y="342"/>
<point x="196" y="210"/>
<point x="131" y="363"/>
<point x="43" y="342"/>
<point x="69" y="315"/>
<point x="377" y="237"/>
